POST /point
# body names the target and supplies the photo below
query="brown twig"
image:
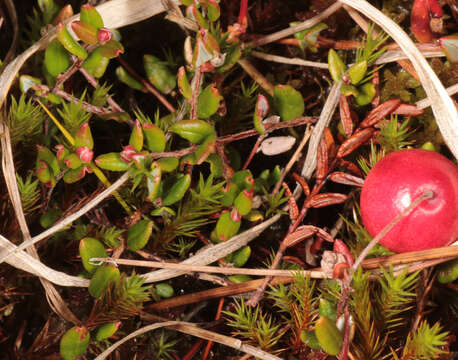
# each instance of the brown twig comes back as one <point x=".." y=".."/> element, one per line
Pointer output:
<point x="294" y="29"/>
<point x="95" y="84"/>
<point x="70" y="98"/>
<point x="196" y="82"/>
<point x="254" y="150"/>
<point x="257" y="76"/>
<point x="62" y="78"/>
<point x="147" y="85"/>
<point x="217" y="317"/>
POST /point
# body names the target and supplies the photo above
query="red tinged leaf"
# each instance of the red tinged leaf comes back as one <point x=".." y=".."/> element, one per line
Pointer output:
<point x="345" y="116"/>
<point x="341" y="248"/>
<point x="425" y="19"/>
<point x="435" y="9"/>
<point x="340" y="270"/>
<point x="346" y="179"/>
<point x="356" y="140"/>
<point x="380" y="112"/>
<point x="326" y="199"/>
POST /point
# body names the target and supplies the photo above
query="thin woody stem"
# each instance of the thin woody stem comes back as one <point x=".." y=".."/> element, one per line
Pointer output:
<point x="428" y="194"/>
<point x="147" y="85"/>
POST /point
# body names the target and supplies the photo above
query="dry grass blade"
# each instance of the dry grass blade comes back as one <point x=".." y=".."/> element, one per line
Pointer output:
<point x="324" y="120"/>
<point x="52" y="295"/>
<point x="25" y="262"/>
<point x="13" y="17"/>
<point x="294" y="29"/>
<point x="442" y="105"/>
<point x="214" y="253"/>
<point x="69" y="219"/>
<point x="192" y="329"/>
<point x="209" y="269"/>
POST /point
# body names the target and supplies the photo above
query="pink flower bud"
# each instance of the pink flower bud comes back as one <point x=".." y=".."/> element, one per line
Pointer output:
<point x="127" y="153"/>
<point x="104" y="35"/>
<point x="60" y="151"/>
<point x="85" y="154"/>
<point x="235" y="215"/>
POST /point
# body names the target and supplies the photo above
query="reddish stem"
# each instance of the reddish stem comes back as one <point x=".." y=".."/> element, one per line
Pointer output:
<point x="192" y="351"/>
<point x="147" y="85"/>
<point x="243" y="20"/>
<point x="253" y="151"/>
<point x="217" y="317"/>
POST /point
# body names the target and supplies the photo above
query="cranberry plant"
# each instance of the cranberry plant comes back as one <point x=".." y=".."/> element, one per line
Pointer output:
<point x="209" y="151"/>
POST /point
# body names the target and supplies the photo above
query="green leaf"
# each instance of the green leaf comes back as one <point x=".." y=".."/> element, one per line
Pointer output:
<point x="74" y="342"/>
<point x="447" y="272"/>
<point x="208" y="102"/>
<point x="226" y="227"/>
<point x="96" y="64"/>
<point x="107" y="330"/>
<point x="127" y="79"/>
<point x="164" y="290"/>
<point x="139" y="234"/>
<point x="177" y="191"/>
<point x="155" y="137"/>
<point x="241" y="256"/>
<point x="50" y="217"/>
<point x="194" y="131"/>
<point x="288" y="102"/>
<point x="91" y="248"/>
<point x="102" y="278"/>
<point x="357" y="72"/>
<point x="328" y="335"/>
<point x="57" y="59"/>
<point x="91" y="16"/>
<point x="159" y="74"/>
<point x="111" y="161"/>
<point x="336" y="65"/>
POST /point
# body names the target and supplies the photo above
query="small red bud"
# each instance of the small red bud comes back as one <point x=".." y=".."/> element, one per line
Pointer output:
<point x="104" y="35"/>
<point x="85" y="154"/>
<point x="127" y="153"/>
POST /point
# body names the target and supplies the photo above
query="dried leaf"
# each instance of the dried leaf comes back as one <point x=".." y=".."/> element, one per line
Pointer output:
<point x="408" y="110"/>
<point x="381" y="111"/>
<point x="358" y="138"/>
<point x="301" y="233"/>
<point x="321" y="161"/>
<point x="292" y="205"/>
<point x="305" y="187"/>
<point x="346" y="179"/>
<point x="326" y="199"/>
<point x="345" y="116"/>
